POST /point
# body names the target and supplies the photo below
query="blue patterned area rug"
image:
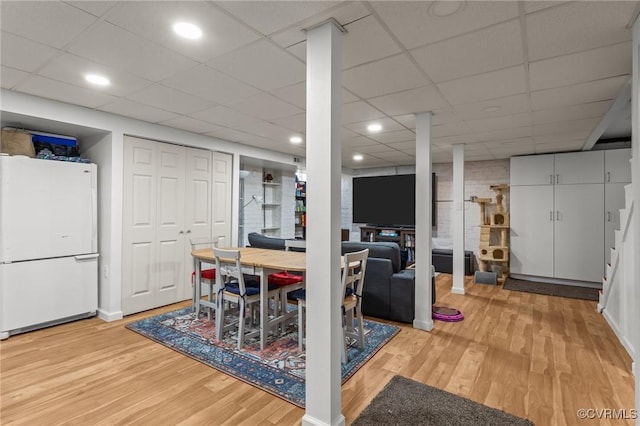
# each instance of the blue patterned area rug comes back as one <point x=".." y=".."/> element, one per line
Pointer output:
<point x="279" y="369"/>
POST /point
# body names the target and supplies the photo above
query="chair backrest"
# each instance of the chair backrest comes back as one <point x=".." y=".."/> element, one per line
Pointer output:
<point x="228" y="267"/>
<point x="353" y="272"/>
<point x="202" y="242"/>
<point x="295" y="245"/>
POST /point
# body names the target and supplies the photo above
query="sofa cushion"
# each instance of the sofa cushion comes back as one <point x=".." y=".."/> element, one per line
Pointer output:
<point x="384" y="250"/>
<point x="262" y="241"/>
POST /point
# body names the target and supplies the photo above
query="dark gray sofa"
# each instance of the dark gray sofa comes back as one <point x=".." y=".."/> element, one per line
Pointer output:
<point x="442" y="260"/>
<point x="389" y="290"/>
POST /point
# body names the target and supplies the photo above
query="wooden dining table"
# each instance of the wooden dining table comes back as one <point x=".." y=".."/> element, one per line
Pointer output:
<point x="254" y="261"/>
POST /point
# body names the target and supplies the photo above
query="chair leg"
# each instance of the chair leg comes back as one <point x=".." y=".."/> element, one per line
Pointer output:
<point x="301" y="325"/>
<point x="360" y="328"/>
<point x="241" y="321"/>
<point x="343" y="357"/>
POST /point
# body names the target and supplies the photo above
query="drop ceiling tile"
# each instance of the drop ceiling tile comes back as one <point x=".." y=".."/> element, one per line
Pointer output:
<point x="497" y="123"/>
<point x="509" y="143"/>
<point x="505" y="106"/>
<point x="366" y="41"/>
<point x="574" y="112"/>
<point x="299" y="51"/>
<point x="266" y="107"/>
<point x="224" y="116"/>
<point x="407" y="120"/>
<point x="382" y="77"/>
<point x="190" y="124"/>
<point x="455" y="139"/>
<point x="418" y="100"/>
<point x="269" y="131"/>
<point x="269" y="17"/>
<point x="515" y="133"/>
<point x="107" y="44"/>
<point x="577" y="26"/>
<point x="534" y="6"/>
<point x="228" y="134"/>
<point x="48" y="22"/>
<point x="358" y="141"/>
<point x="347" y="97"/>
<point x="262" y="65"/>
<point x="345" y="13"/>
<point x="450" y="129"/>
<point x="378" y="148"/>
<point x="415" y="25"/>
<point x="10" y="77"/>
<point x="567" y="146"/>
<point x="404" y="146"/>
<point x="592" y="91"/>
<point x="558" y="139"/>
<point x="490" y="85"/>
<point x="489" y="49"/>
<point x="210" y="84"/>
<point x="72" y="69"/>
<point x="154" y="21"/>
<point x="397" y="136"/>
<point x="595" y="64"/>
<point x="52" y="89"/>
<point x="94" y="7"/>
<point x="584" y="126"/>
<point x="359" y="111"/>
<point x="138" y="111"/>
<point x="295" y="94"/>
<point x="387" y="124"/>
<point x="170" y="99"/>
<point x="296" y="122"/>
<point x="22" y="54"/>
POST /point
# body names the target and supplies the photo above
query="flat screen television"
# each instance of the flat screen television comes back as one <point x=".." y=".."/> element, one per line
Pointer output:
<point x="388" y="200"/>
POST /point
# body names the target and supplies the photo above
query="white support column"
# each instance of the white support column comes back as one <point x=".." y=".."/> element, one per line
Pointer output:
<point x="635" y="180"/>
<point x="324" y="164"/>
<point x="423" y="299"/>
<point x="458" y="219"/>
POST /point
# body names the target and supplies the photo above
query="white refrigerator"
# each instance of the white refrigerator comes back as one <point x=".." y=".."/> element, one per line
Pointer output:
<point x="48" y="243"/>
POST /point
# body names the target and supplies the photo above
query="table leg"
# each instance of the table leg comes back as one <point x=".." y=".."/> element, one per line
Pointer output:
<point x="264" y="307"/>
<point x="197" y="286"/>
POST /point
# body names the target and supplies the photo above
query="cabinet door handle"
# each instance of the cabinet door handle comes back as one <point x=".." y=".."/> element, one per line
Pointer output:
<point x="558" y="178"/>
<point x="608" y="176"/>
<point x="551" y="215"/>
<point x="550" y="179"/>
<point x="557" y="214"/>
<point x="608" y="216"/>
<point x="188" y="231"/>
<point x="181" y="232"/>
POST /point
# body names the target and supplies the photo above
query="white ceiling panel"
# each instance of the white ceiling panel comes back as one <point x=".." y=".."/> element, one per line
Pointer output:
<point x="359" y="111"/>
<point x="210" y="84"/>
<point x="603" y="62"/>
<point x="269" y="131"/>
<point x="577" y="26"/>
<point x="262" y="65"/>
<point x="489" y="49"/>
<point x="496" y="123"/>
<point x="409" y="145"/>
<point x="170" y="99"/>
<point x="397" y="136"/>
<point x="344" y="13"/>
<point x="359" y="141"/>
<point x="22" y="54"/>
<point x="455" y="139"/>
<point x="584" y="126"/>
<point x="10" y="77"/>
<point x="94" y="7"/>
<point x="490" y="85"/>
<point x="382" y="77"/>
<point x="510" y="143"/>
<point x="138" y="111"/>
<point x="270" y="16"/>
<point x="377" y="148"/>
<point x="575" y="112"/>
<point x="266" y="107"/>
<point x="426" y="98"/>
<point x="295" y="122"/>
<point x="593" y="91"/>
<point x="107" y="44"/>
<point x="228" y="134"/>
<point x="189" y="124"/>
<point x="295" y="94"/>
<point x="48" y="22"/>
<point x="515" y="133"/>
<point x="52" y="89"/>
<point x="72" y="69"/>
<point x="366" y="41"/>
<point x="224" y="116"/>
<point x="494" y="107"/>
<point x="417" y="23"/>
<point x="388" y="125"/>
<point x="566" y="146"/>
<point x="534" y="6"/>
<point x="154" y="21"/>
<point x="450" y="129"/>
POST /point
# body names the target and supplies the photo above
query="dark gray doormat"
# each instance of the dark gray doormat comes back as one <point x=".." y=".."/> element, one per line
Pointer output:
<point x="407" y="402"/>
<point x="570" y="291"/>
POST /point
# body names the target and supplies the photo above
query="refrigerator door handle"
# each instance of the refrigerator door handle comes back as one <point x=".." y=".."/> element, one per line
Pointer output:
<point x="87" y="256"/>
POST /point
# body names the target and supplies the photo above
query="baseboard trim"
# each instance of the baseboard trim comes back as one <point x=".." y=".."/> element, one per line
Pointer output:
<point x="423" y="325"/>
<point x="558" y="281"/>
<point x="110" y="316"/>
<point x="308" y="420"/>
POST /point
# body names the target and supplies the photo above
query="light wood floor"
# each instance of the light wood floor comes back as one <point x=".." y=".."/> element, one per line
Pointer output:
<point x="535" y="356"/>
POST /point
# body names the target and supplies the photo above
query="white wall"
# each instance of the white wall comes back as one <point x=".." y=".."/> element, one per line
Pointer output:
<point x="107" y="152"/>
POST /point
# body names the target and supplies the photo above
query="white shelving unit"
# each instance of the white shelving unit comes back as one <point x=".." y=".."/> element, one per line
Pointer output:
<point x="271" y="196"/>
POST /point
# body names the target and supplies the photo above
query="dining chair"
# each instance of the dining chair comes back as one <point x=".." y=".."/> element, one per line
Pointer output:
<point x="352" y="283"/>
<point x="231" y="288"/>
<point x="287" y="281"/>
<point x="207" y="276"/>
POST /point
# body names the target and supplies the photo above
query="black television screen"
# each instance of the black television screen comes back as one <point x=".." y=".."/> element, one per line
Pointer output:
<point x="386" y="200"/>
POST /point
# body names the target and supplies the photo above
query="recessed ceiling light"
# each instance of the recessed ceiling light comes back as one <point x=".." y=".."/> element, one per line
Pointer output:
<point x="98" y="80"/>
<point x="187" y="30"/>
<point x="374" y="127"/>
<point x="295" y="139"/>
<point x="358" y="157"/>
<point x="492" y="109"/>
<point x="444" y="8"/>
